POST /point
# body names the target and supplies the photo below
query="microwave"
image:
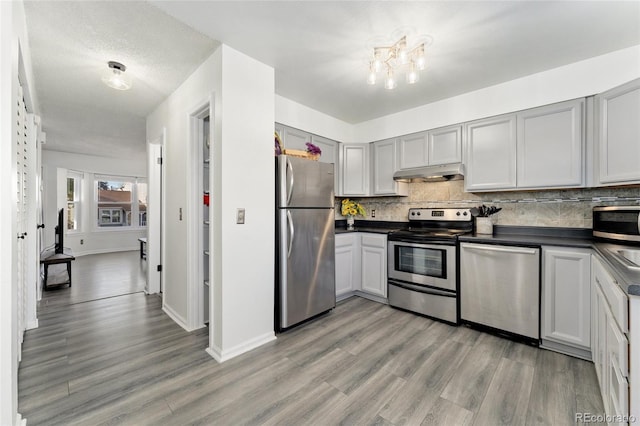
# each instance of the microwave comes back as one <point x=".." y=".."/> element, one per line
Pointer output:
<point x="621" y="223"/>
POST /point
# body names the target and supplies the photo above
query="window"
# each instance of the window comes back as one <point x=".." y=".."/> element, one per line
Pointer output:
<point x="143" y="199"/>
<point x="121" y="202"/>
<point x="74" y="180"/>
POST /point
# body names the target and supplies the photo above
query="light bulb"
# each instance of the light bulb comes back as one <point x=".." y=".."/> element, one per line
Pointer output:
<point x="421" y="58"/>
<point x="403" y="56"/>
<point x="390" y="81"/>
<point x="372" y="77"/>
<point x="116" y="78"/>
<point x="412" y="75"/>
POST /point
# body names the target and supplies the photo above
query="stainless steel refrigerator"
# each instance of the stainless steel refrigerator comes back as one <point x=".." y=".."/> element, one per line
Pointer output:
<point x="305" y="240"/>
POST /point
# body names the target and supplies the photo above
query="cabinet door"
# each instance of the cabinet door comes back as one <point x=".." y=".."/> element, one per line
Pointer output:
<point x="384" y="166"/>
<point x="347" y="264"/>
<point x="329" y="149"/>
<point x="491" y="154"/>
<point x="374" y="264"/>
<point x="355" y="169"/>
<point x="414" y="150"/>
<point x="566" y="292"/>
<point x="295" y="139"/>
<point x="329" y="155"/>
<point x="550" y="146"/>
<point x="618" y="134"/>
<point x="445" y="145"/>
<point x="603" y="359"/>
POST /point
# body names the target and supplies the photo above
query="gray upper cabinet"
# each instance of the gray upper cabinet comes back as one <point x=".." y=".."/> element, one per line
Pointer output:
<point x="355" y="171"/>
<point x="385" y="164"/>
<point x="414" y="150"/>
<point x="618" y="135"/>
<point x="491" y="154"/>
<point x="445" y="145"/>
<point x="295" y="139"/>
<point x="550" y="146"/>
<point x="537" y="148"/>
<point x="438" y="146"/>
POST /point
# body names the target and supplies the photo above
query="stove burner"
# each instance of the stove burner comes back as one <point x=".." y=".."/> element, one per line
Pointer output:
<point x="443" y="225"/>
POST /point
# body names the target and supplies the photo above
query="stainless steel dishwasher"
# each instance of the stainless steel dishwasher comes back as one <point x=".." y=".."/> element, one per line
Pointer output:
<point x="500" y="287"/>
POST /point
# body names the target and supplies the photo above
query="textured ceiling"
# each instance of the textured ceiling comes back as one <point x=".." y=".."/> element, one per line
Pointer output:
<point x="318" y="49"/>
<point x="71" y="43"/>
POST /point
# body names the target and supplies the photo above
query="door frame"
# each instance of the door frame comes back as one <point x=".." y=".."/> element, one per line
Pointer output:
<point x="155" y="214"/>
<point x="195" y="276"/>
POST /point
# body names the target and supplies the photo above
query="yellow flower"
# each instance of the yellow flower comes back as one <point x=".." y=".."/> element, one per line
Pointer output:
<point x="351" y="208"/>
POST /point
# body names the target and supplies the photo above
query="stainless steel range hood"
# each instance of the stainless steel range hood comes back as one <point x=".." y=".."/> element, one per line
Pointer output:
<point x="437" y="173"/>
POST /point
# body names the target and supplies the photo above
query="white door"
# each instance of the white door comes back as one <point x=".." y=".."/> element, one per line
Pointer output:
<point x="21" y="217"/>
<point x="154" y="218"/>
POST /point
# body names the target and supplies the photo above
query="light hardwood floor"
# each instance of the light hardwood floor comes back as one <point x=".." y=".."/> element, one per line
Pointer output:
<point x="120" y="360"/>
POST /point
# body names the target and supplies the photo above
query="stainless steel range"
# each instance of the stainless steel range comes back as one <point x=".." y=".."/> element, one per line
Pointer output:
<point x="423" y="262"/>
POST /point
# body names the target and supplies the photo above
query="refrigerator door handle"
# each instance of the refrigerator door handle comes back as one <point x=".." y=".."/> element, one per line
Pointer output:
<point x="290" y="186"/>
<point x="291" y="233"/>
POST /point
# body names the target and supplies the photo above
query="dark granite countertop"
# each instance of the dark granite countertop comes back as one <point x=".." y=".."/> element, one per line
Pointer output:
<point x="628" y="278"/>
<point x="528" y="236"/>
<point x="373" y="226"/>
<point x="534" y="236"/>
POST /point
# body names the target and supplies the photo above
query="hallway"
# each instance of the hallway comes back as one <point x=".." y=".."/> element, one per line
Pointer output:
<point x="97" y="276"/>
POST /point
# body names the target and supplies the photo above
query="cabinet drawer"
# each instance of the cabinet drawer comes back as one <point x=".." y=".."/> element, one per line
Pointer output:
<point x="373" y="240"/>
<point x="617" y="300"/>
<point x="617" y="347"/>
<point x="618" y="391"/>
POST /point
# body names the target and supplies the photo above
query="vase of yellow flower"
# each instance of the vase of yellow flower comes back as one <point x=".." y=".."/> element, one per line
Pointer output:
<point x="350" y="209"/>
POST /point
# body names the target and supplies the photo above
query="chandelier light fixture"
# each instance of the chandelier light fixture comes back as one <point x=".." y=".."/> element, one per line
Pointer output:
<point x="116" y="78"/>
<point x="388" y="61"/>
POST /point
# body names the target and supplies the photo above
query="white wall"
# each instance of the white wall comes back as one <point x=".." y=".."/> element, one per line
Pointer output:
<point x="242" y="302"/>
<point x="302" y="117"/>
<point x="94" y="240"/>
<point x="15" y="60"/>
<point x="572" y="81"/>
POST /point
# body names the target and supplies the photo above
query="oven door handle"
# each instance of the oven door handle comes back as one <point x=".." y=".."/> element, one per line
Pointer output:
<point x="421" y="289"/>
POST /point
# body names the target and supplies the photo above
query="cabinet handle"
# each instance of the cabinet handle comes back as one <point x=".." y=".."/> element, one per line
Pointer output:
<point x="291" y="233"/>
<point x="290" y="188"/>
<point x="500" y="249"/>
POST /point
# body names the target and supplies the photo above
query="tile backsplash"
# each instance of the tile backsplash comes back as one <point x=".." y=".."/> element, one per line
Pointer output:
<point x="569" y="208"/>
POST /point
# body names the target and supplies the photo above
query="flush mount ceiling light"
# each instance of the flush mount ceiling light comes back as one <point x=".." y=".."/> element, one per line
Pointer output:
<point x="388" y="60"/>
<point x="116" y="78"/>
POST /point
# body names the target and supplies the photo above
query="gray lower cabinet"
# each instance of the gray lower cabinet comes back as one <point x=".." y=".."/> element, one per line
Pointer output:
<point x="566" y="300"/>
<point x="610" y="344"/>
<point x="361" y="265"/>
<point x="347" y="264"/>
<point x="617" y="135"/>
<point x="374" y="264"/>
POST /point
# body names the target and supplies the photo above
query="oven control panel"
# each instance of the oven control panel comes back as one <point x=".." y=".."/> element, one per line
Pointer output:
<point x="455" y="214"/>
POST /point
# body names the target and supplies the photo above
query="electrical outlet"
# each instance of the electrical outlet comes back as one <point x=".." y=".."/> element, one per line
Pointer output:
<point x="240" y="216"/>
<point x="81" y="242"/>
<point x="373" y="212"/>
<point x="180" y="213"/>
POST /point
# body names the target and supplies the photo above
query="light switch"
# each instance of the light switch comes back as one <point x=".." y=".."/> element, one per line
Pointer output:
<point x="240" y="216"/>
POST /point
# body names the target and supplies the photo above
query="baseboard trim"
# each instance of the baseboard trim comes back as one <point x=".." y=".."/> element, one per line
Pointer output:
<point x="176" y="317"/>
<point x="372" y="297"/>
<point x="32" y="324"/>
<point x="221" y="355"/>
